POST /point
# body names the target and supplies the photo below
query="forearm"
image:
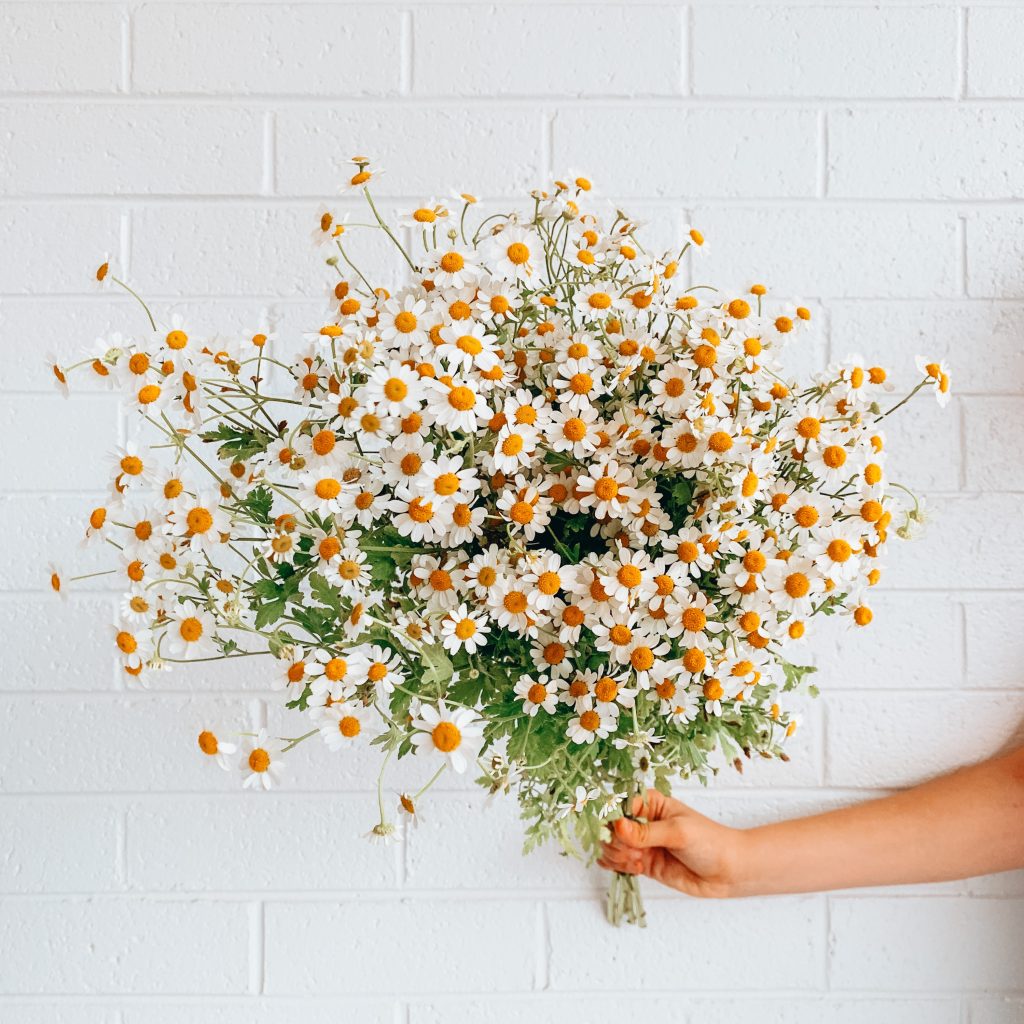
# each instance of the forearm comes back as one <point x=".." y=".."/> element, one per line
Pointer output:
<point x="967" y="823"/>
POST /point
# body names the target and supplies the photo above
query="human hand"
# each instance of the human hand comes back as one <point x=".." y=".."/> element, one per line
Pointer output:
<point x="677" y="847"/>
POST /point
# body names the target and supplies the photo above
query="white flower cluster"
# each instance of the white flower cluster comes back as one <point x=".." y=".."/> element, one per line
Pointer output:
<point x="544" y="494"/>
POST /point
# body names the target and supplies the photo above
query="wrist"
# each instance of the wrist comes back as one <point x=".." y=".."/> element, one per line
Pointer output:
<point x="743" y="876"/>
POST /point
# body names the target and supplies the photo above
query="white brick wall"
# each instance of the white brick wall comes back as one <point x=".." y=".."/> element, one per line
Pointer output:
<point x="866" y="158"/>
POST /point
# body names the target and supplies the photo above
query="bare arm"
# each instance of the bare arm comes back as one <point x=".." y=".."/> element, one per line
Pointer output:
<point x="968" y="823"/>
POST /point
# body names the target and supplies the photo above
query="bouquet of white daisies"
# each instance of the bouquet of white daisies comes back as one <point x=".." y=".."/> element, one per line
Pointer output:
<point x="542" y="512"/>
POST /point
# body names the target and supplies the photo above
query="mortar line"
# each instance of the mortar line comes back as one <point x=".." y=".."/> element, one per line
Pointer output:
<point x="406" y="67"/>
<point x="269" y="184"/>
<point x="962" y="52"/>
<point x="127" y="53"/>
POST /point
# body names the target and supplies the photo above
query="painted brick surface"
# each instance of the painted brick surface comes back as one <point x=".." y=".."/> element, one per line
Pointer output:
<point x="863" y="157"/>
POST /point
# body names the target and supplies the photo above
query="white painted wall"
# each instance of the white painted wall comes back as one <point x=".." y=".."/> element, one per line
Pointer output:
<point x="867" y="159"/>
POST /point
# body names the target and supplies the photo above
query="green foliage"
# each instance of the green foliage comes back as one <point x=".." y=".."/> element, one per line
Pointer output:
<point x="234" y="442"/>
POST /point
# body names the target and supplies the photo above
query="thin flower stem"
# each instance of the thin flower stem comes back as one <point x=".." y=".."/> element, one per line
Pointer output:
<point x="298" y="739"/>
<point x="138" y="298"/>
<point x="389" y="232"/>
<point x="433" y="778"/>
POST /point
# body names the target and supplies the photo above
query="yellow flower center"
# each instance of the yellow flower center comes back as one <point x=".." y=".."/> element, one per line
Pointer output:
<point x="797" y="585"/>
<point x="574" y="429"/>
<point x="512" y="445"/>
<point x="642" y="658"/>
<point x="259" y="760"/>
<point x="405" y="322"/>
<point x="461" y="398"/>
<point x="548" y="583"/>
<point x="581" y="383"/>
<point x="208" y="742"/>
<point x="336" y="669"/>
<point x="694" y="620"/>
<point x="328" y="488"/>
<point x="806" y="516"/>
<point x="446" y="736"/>
<point x="517" y="254"/>
<point x="687" y="551"/>
<point x="199" y="520"/>
<point x="629" y="576"/>
<point x="833" y="456"/>
<point x="839" y="550"/>
<point x="521" y="512"/>
<point x="620" y="635"/>
<point x="451" y="262"/>
<point x="537" y="693"/>
<point x="446" y="484"/>
<point x="191" y="629"/>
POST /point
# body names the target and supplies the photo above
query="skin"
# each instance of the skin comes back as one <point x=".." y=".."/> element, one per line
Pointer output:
<point x="970" y="822"/>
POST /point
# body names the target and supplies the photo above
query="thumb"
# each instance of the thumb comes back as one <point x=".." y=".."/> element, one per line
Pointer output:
<point x="642" y="835"/>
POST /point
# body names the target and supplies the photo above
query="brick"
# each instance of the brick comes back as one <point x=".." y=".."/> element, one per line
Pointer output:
<point x="487" y="152"/>
<point x="674" y="946"/>
<point x="60" y="47"/>
<point x="303" y="49"/>
<point x="979" y="340"/>
<point x="995" y="255"/>
<point x="930" y="944"/>
<point x="124" y="945"/>
<point x="960" y="548"/>
<point x="402" y="947"/>
<point x="37" y="856"/>
<point x="56" y="1013"/>
<point x="914" y="641"/>
<point x="146" y="743"/>
<point x="824" y="51"/>
<point x="995" y="647"/>
<point x="240" y="845"/>
<point x="766" y="1009"/>
<point x="804" y="748"/>
<point x="901" y="739"/>
<point x="259" y="1011"/>
<point x="992" y="65"/>
<point x="577" y="53"/>
<point x="248" y="250"/>
<point x="50" y="527"/>
<point x="772" y="153"/>
<point x="1005" y="883"/>
<point x="54" y="248"/>
<point x="82" y="461"/>
<point x="63" y="329"/>
<point x="148" y="149"/>
<point x="487" y="844"/>
<point x="830" y="253"/>
<point x="924" y="442"/>
<point x="995" y="1011"/>
<point x="63" y="659"/>
<point x="992" y="458"/>
<point x="919" y="162"/>
<point x="835" y="1009"/>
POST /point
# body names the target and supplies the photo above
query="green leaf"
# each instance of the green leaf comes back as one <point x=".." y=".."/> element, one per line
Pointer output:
<point x="795" y="674"/>
<point x="237" y="443"/>
<point x="270" y="611"/>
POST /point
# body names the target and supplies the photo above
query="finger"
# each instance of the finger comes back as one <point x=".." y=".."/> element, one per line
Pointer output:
<point x="620" y="860"/>
<point x="641" y="835"/>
